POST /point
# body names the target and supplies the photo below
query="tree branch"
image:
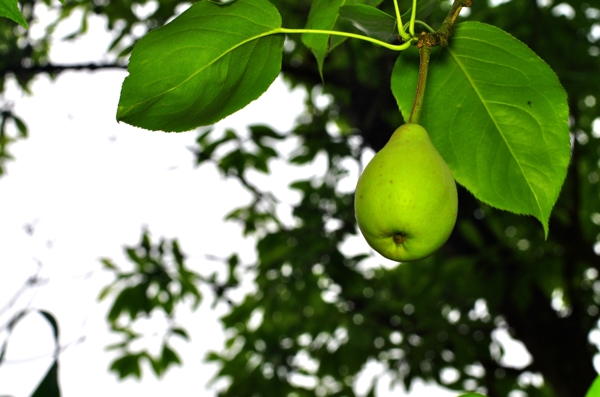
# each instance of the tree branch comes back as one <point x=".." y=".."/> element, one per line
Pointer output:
<point x="53" y="69"/>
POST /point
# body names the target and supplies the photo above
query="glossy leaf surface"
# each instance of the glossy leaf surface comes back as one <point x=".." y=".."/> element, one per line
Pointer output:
<point x="206" y="64"/>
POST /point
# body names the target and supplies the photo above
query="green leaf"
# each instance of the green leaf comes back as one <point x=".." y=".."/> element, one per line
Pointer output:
<point x="206" y="64"/>
<point x="371" y="21"/>
<point x="52" y="321"/>
<point x="498" y="115"/>
<point x="108" y="264"/>
<point x="104" y="292"/>
<point x="49" y="386"/>
<point x="169" y="357"/>
<point x="471" y="395"/>
<point x="9" y="9"/>
<point x="21" y="126"/>
<point x="181" y="332"/>
<point x="128" y="365"/>
<point x="424" y="8"/>
<point x="323" y="15"/>
<point x="594" y="390"/>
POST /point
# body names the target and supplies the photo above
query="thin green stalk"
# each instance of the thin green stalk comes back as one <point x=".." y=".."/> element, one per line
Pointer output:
<point x="415" y="113"/>
<point x="413" y="16"/>
<point x="429" y="28"/>
<point x="399" y="47"/>
<point x="401" y="30"/>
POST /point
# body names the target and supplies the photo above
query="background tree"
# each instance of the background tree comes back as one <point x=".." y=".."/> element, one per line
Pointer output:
<point x="322" y="315"/>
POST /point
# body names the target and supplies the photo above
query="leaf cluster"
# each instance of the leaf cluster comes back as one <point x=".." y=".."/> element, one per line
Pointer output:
<point x="159" y="282"/>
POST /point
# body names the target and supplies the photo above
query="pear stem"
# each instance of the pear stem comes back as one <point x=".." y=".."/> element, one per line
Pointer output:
<point x="415" y="113"/>
<point x="424" y="43"/>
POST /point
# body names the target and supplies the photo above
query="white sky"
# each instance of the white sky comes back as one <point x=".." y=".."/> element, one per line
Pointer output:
<point x="88" y="185"/>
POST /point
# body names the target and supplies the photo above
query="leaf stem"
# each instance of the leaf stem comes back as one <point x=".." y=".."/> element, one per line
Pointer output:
<point x="413" y="16"/>
<point x="401" y="30"/>
<point x="431" y="30"/>
<point x="415" y="113"/>
<point x="399" y="47"/>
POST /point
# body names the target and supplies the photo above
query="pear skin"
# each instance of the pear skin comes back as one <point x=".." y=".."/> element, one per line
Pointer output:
<point x="406" y="200"/>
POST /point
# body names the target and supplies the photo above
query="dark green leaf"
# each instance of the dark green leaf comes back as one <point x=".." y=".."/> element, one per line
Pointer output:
<point x="424" y="8"/>
<point x="49" y="386"/>
<point x="371" y="21"/>
<point x="21" y="126"/>
<point x="128" y="365"/>
<point x="50" y="318"/>
<point x="206" y="64"/>
<point x="181" y="332"/>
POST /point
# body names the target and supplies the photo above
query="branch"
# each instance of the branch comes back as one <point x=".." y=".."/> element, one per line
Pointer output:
<point x="51" y="69"/>
<point x="442" y="36"/>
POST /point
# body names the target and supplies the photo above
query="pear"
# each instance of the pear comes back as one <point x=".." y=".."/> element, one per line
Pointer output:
<point x="406" y="201"/>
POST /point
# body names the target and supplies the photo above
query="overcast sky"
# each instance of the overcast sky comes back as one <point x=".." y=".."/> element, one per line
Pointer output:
<point x="82" y="186"/>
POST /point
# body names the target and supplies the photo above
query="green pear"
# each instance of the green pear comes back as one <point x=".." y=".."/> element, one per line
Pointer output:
<point x="405" y="200"/>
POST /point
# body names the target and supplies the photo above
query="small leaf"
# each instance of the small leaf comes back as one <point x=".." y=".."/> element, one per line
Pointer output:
<point x="50" y="318"/>
<point x="209" y="62"/>
<point x="108" y="264"/>
<point x="498" y="115"/>
<point x="181" y="332"/>
<point x="371" y="21"/>
<point x="594" y="390"/>
<point x="258" y="132"/>
<point x="105" y="291"/>
<point x="169" y="356"/>
<point x="9" y="9"/>
<point x="424" y="8"/>
<point x="49" y="386"/>
<point x="128" y="365"/>
<point x="21" y="126"/>
<point x="322" y="16"/>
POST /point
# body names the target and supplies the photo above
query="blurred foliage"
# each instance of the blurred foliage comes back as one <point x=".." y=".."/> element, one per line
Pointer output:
<point x="157" y="284"/>
<point x="319" y="316"/>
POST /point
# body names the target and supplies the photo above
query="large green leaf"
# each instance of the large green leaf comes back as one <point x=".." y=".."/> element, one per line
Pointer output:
<point x="370" y="20"/>
<point x="206" y="64"/>
<point x="9" y="9"/>
<point x="498" y="115"/>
